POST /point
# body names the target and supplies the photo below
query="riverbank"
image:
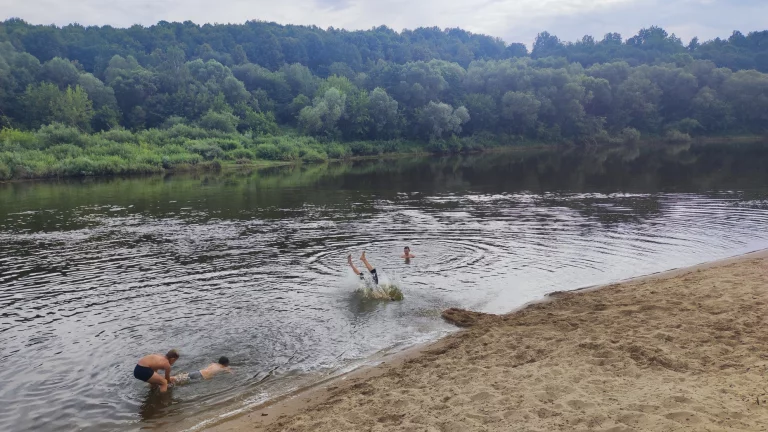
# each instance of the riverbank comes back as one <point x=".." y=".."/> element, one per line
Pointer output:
<point x="56" y="151"/>
<point x="682" y="350"/>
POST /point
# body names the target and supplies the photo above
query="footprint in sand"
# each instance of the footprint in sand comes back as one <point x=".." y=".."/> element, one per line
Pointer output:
<point x="580" y="405"/>
<point x="684" y="417"/>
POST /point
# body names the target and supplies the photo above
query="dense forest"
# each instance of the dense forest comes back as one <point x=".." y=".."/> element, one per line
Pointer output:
<point x="94" y="100"/>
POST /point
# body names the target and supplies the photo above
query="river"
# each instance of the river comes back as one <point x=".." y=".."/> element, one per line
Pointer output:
<point x="95" y="273"/>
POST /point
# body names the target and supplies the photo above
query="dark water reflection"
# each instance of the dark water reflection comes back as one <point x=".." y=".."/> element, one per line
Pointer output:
<point x="96" y="273"/>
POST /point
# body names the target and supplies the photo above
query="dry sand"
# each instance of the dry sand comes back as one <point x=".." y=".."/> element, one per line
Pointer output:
<point x="684" y="351"/>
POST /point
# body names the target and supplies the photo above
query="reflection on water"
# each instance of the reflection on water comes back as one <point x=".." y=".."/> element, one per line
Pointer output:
<point x="96" y="273"/>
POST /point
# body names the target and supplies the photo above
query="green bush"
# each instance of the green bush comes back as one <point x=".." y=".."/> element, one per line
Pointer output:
<point x="64" y="151"/>
<point x="289" y="151"/>
<point x="363" y="148"/>
<point x="221" y="121"/>
<point x="149" y="158"/>
<point x="311" y="155"/>
<point x="437" y="146"/>
<point x="259" y="123"/>
<point x="14" y="138"/>
<point x="119" y="135"/>
<point x="206" y="150"/>
<point x="337" y="151"/>
<point x="173" y="160"/>
<point x="57" y="133"/>
<point x="268" y="152"/>
<point x="186" y="131"/>
<point x="225" y="144"/>
<point x="5" y="172"/>
<point x="241" y="154"/>
<point x="109" y="148"/>
<point x="172" y="149"/>
<point x="173" y="121"/>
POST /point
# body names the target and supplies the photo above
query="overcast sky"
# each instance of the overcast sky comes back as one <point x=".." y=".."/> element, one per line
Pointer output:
<point x="512" y="20"/>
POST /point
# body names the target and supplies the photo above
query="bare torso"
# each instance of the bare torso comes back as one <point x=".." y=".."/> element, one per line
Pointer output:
<point x="155" y="362"/>
<point x="213" y="369"/>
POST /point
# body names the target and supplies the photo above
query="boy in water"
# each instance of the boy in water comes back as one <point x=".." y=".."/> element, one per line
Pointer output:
<point x="147" y="367"/>
<point x="370" y="268"/>
<point x="209" y="372"/>
<point x="407" y="255"/>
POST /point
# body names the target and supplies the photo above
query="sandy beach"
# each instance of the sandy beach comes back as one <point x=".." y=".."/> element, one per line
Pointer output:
<point x="685" y="350"/>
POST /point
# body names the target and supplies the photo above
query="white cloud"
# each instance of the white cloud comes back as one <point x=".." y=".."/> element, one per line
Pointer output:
<point x="512" y="20"/>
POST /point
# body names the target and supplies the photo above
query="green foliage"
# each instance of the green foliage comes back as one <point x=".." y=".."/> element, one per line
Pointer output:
<point x="205" y="149"/>
<point x="181" y="94"/>
<point x="221" y="121"/>
<point x="268" y="151"/>
<point x="5" y="172"/>
<point x="259" y="123"/>
<point x="14" y="138"/>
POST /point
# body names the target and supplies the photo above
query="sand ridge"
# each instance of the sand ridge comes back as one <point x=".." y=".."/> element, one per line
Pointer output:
<point x="684" y="353"/>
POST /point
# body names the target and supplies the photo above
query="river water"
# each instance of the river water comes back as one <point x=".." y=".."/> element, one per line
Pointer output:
<point x="96" y="273"/>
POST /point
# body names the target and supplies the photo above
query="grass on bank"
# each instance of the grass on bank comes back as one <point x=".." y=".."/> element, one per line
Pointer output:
<point x="60" y="151"/>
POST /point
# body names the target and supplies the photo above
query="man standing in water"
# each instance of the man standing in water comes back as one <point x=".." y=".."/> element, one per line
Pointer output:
<point x="370" y="268"/>
<point x="147" y="367"/>
<point x="209" y="372"/>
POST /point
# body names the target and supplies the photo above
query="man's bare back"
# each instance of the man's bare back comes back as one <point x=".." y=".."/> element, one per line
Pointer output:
<point x="147" y="367"/>
<point x="214" y="369"/>
<point x="209" y="372"/>
<point x="155" y="362"/>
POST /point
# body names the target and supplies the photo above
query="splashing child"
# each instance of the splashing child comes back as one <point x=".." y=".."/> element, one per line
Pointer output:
<point x="368" y="265"/>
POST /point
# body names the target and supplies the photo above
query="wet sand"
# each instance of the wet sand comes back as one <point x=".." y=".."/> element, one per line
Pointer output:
<point x="685" y="350"/>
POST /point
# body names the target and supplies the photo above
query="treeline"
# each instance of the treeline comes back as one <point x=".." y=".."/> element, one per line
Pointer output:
<point x="323" y="51"/>
<point x="289" y="92"/>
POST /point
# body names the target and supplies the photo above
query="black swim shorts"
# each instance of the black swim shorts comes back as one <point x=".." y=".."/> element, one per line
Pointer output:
<point x="196" y="375"/>
<point x="142" y="373"/>
<point x="375" y="276"/>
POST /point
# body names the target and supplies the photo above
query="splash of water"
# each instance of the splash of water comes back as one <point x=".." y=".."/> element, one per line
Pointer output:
<point x="381" y="292"/>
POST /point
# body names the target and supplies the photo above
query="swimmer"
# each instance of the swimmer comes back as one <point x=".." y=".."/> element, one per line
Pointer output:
<point x="147" y="367"/>
<point x="370" y="268"/>
<point x="407" y="255"/>
<point x="209" y="372"/>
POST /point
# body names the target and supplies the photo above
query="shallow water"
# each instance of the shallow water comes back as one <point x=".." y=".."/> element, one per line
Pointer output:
<point x="252" y="265"/>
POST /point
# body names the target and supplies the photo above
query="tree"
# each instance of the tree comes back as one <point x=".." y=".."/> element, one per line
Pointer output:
<point x="38" y="102"/>
<point x="547" y="45"/>
<point x="324" y="114"/>
<point x="519" y="111"/>
<point x="223" y="121"/>
<point x="47" y="104"/>
<point x="383" y="111"/>
<point x="711" y="111"/>
<point x="73" y="108"/>
<point x="440" y="120"/>
<point x="60" y="72"/>
<point x="483" y="111"/>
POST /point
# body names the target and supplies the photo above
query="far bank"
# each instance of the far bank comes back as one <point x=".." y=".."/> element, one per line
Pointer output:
<point x="57" y="151"/>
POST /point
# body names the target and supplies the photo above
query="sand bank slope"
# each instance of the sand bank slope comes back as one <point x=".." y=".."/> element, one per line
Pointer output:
<point x="687" y="352"/>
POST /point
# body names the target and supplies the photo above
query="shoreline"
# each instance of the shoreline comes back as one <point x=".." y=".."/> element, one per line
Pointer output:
<point x="218" y="166"/>
<point x="282" y="412"/>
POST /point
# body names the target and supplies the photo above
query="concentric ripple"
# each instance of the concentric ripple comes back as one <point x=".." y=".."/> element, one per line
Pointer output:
<point x="253" y="266"/>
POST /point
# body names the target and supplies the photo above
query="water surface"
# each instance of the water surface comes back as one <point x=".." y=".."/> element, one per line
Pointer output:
<point x="96" y="273"/>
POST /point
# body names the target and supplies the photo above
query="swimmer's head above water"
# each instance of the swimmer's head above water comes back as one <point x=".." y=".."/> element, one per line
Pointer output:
<point x="224" y="361"/>
<point x="407" y="253"/>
